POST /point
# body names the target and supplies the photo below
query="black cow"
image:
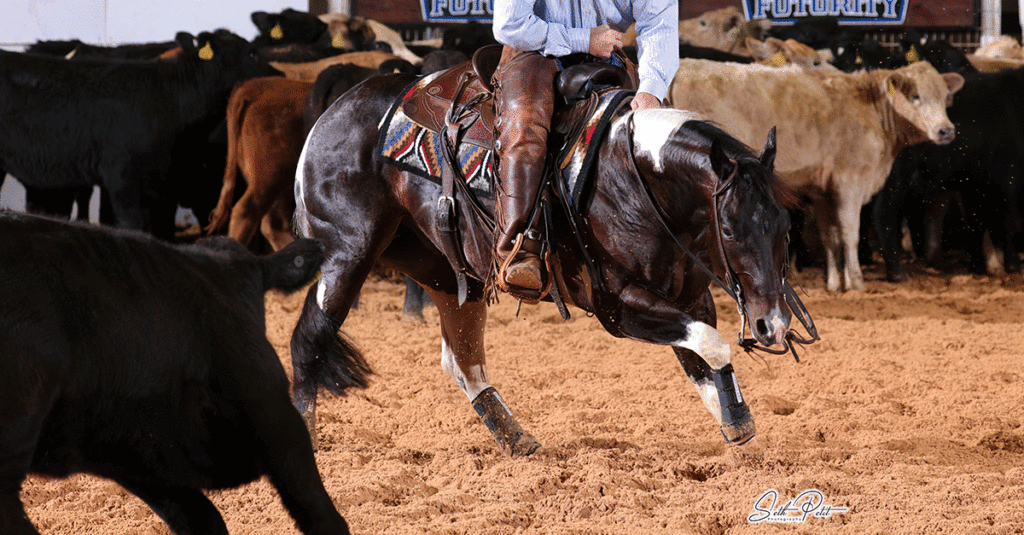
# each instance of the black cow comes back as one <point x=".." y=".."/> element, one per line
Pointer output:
<point x="983" y="165"/>
<point x="125" y="126"/>
<point x="144" y="362"/>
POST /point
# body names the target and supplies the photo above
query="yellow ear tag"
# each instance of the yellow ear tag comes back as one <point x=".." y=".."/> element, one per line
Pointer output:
<point x="912" y="56"/>
<point x="276" y="32"/>
<point x="206" y="52"/>
<point x="859" y="60"/>
<point x="338" y="41"/>
<point x="778" y="59"/>
<point x="892" y="89"/>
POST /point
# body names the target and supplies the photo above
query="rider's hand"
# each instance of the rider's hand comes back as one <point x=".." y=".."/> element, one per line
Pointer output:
<point x="645" y="100"/>
<point x="604" y="41"/>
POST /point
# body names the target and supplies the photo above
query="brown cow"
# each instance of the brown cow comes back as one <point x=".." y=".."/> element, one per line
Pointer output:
<point x="838" y="133"/>
<point x="265" y="137"/>
<point x="724" y="29"/>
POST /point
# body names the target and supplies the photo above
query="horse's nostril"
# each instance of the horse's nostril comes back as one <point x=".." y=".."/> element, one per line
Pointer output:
<point x="761" y="327"/>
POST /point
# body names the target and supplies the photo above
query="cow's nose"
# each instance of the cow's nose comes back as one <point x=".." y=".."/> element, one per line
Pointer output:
<point x="946" y="134"/>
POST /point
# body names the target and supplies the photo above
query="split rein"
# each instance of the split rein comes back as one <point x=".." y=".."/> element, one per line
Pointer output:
<point x="735" y="290"/>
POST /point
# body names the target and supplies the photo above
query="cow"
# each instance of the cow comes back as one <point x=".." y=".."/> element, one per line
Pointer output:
<point x="294" y="36"/>
<point x="147" y="363"/>
<point x="725" y="29"/>
<point x="265" y="137"/>
<point x="125" y="126"/>
<point x="983" y="165"/>
<point x="308" y="71"/>
<point x="838" y="133"/>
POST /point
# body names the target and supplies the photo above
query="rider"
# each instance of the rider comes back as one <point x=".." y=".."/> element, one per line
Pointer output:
<point x="535" y="35"/>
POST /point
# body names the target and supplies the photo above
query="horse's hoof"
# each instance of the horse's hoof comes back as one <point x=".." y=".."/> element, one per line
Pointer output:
<point x="739" y="432"/>
<point x="513" y="440"/>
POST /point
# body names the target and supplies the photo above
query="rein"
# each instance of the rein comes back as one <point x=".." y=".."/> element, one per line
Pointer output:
<point x="734" y="288"/>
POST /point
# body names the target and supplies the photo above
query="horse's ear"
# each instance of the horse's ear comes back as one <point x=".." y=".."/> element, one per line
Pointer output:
<point x="720" y="163"/>
<point x="768" y="154"/>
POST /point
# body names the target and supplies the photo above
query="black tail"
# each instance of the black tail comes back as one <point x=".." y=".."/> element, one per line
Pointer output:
<point x="293" y="267"/>
<point x="322" y="355"/>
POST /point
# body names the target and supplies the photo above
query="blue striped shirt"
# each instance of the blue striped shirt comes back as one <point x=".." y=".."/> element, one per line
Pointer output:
<point x="562" y="27"/>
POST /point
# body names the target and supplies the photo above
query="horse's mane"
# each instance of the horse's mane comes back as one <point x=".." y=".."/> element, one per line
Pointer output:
<point x="770" y="183"/>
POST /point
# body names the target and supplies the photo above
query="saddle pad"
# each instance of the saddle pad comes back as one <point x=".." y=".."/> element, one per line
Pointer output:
<point x="577" y="160"/>
<point x="411" y="147"/>
<point x="414" y="148"/>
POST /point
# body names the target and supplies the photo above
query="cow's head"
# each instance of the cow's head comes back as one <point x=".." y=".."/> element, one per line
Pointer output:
<point x="225" y="53"/>
<point x="723" y="29"/>
<point x="287" y="27"/>
<point x="919" y="94"/>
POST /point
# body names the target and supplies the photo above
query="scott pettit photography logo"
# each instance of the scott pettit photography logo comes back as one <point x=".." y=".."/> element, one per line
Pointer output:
<point x="809" y="503"/>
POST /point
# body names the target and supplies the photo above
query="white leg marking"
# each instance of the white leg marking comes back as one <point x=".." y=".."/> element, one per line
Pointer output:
<point x="471" y="386"/>
<point x="707" y="342"/>
<point x="709" y="395"/>
<point x="321" y="292"/>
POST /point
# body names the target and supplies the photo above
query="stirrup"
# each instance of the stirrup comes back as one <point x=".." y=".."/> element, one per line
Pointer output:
<point x="526" y="294"/>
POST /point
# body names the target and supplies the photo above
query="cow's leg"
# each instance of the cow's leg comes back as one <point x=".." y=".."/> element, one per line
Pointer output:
<point x="13" y="519"/>
<point x="185" y="510"/>
<point x="462" y="357"/>
<point x="849" y="228"/>
<point x="276" y="225"/>
<point x="287" y="454"/>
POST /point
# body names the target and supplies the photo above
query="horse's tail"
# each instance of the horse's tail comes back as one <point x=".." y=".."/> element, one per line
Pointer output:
<point x="322" y="355"/>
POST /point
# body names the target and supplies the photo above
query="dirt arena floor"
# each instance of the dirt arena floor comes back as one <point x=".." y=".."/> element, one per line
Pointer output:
<point x="906" y="418"/>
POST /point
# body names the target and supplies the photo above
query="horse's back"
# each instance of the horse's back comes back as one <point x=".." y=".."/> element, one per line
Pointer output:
<point x="337" y="169"/>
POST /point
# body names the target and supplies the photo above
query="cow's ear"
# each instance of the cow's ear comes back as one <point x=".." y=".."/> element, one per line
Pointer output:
<point x="720" y="163"/>
<point x="261" y="19"/>
<point x="186" y="41"/>
<point x="768" y="154"/>
<point x="206" y="49"/>
<point x="954" y="82"/>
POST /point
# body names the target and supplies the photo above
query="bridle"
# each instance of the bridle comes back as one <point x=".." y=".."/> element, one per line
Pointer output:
<point x="732" y="284"/>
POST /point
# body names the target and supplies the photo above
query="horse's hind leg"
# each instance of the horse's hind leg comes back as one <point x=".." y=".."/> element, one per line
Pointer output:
<point x="462" y="357"/>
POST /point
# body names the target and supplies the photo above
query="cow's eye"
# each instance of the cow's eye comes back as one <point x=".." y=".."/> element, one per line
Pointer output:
<point x="916" y="99"/>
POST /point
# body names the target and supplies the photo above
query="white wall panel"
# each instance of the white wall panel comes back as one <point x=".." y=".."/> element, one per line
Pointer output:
<point x="112" y="22"/>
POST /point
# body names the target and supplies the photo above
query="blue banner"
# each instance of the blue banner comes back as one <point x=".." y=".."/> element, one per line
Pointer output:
<point x="869" y="12"/>
<point x="457" y="10"/>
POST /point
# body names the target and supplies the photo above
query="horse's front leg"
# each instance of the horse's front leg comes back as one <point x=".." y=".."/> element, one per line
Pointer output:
<point x="700" y="348"/>
<point x="462" y="357"/>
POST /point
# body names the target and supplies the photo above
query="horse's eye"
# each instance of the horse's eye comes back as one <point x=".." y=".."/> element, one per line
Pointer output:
<point x="727" y="232"/>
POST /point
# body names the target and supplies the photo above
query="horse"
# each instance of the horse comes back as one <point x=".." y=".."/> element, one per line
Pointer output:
<point x="673" y="204"/>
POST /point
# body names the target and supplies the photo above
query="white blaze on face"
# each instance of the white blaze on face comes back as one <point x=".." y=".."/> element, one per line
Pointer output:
<point x="653" y="127"/>
<point x="472" y="385"/>
<point x="707" y="342"/>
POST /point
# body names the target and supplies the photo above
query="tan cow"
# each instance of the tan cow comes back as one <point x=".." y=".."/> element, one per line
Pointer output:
<point x="308" y="71"/>
<point x="838" y="133"/>
<point x="775" y="52"/>
<point x="724" y="29"/>
<point x="337" y="24"/>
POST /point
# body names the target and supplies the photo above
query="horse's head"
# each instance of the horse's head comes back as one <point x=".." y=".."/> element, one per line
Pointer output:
<point x="751" y="228"/>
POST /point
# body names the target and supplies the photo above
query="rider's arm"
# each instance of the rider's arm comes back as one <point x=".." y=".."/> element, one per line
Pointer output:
<point x="516" y="25"/>
<point x="657" y="40"/>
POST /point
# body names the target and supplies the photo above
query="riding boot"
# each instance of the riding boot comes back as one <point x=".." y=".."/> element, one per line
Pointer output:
<point x="524" y="102"/>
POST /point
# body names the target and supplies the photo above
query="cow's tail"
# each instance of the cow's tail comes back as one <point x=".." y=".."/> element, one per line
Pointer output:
<point x="220" y="214"/>
<point x="323" y="355"/>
